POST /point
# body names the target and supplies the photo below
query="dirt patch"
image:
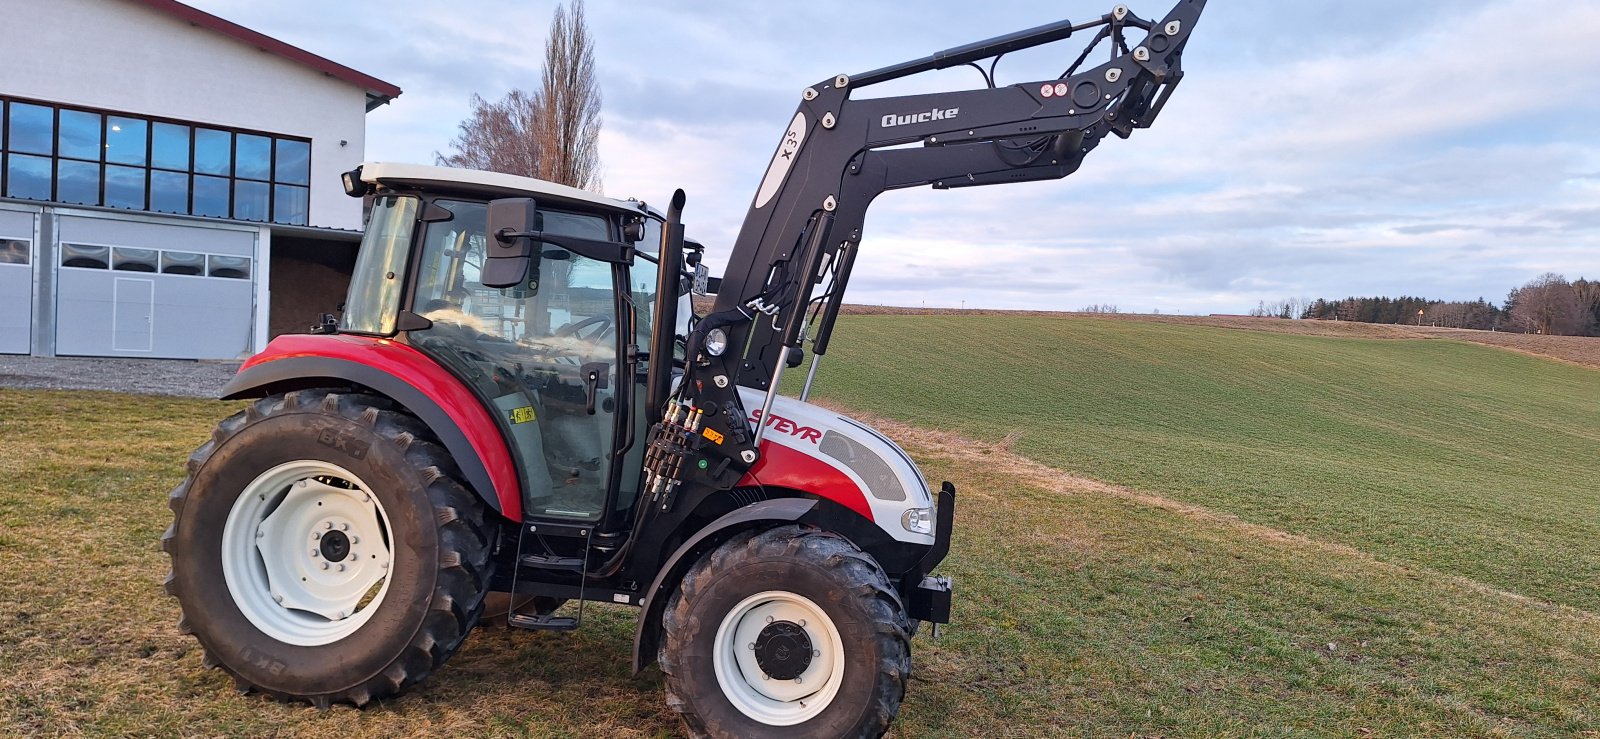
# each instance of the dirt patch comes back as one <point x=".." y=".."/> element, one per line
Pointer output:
<point x="1579" y="350"/>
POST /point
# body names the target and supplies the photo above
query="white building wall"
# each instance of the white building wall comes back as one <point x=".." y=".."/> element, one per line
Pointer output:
<point x="121" y="56"/>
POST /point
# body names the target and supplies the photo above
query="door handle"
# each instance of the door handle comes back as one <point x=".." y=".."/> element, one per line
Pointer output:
<point x="596" y="376"/>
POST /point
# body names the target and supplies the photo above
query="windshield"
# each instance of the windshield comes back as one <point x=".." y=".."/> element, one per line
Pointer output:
<point x="643" y="287"/>
<point x="374" y="298"/>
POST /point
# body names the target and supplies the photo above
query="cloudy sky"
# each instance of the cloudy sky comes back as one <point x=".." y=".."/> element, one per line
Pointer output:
<point x="1443" y="148"/>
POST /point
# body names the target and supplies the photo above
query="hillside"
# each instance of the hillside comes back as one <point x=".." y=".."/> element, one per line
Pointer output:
<point x="1458" y="458"/>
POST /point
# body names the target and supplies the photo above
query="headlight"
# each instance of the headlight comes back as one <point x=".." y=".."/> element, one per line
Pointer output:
<point x="716" y="342"/>
<point x="918" y="520"/>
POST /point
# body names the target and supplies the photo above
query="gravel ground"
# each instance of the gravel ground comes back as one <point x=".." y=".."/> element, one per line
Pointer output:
<point x="178" y="377"/>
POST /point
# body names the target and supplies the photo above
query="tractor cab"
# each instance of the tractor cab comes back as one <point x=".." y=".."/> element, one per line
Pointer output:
<point x="556" y="354"/>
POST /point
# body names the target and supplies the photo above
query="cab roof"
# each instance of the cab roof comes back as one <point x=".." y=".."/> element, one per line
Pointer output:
<point x="486" y="183"/>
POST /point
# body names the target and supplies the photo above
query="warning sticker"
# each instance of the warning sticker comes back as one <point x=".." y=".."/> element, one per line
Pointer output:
<point x="712" y="434"/>
<point x="1047" y="90"/>
<point x="523" y="414"/>
<point x="1061" y="89"/>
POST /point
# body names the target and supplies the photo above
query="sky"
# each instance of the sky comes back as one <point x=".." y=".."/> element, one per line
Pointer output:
<point x="1439" y="148"/>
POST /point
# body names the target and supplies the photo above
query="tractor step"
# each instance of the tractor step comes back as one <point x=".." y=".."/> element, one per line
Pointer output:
<point x="546" y="622"/>
<point x="552" y="562"/>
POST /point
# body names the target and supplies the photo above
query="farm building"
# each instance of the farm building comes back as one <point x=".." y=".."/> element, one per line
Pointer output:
<point x="169" y="181"/>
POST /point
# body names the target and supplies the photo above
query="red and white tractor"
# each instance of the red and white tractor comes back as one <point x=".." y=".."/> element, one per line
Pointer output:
<point x="518" y="398"/>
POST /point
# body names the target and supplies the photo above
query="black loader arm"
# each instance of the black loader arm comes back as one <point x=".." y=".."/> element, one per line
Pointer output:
<point x="838" y="154"/>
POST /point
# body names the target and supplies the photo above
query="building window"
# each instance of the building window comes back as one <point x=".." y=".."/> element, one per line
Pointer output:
<point x="130" y="259"/>
<point x="88" y="157"/>
<point x="13" y="251"/>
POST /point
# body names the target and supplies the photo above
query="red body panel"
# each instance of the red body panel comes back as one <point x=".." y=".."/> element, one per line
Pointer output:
<point x="782" y="466"/>
<point x="420" y="372"/>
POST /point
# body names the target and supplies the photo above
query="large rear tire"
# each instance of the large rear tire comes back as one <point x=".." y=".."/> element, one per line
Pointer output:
<point x="787" y="632"/>
<point x="323" y="549"/>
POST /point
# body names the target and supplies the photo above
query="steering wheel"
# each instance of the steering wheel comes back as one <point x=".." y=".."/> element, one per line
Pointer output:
<point x="597" y="328"/>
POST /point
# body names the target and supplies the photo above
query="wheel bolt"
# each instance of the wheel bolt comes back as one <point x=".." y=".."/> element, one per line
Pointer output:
<point x="316" y="553"/>
<point x="802" y="623"/>
<point x="341" y="568"/>
<point x="338" y="615"/>
<point x="816" y="653"/>
<point x="752" y="646"/>
<point x="344" y="527"/>
<point x="324" y="565"/>
<point x="277" y="598"/>
<point x="300" y="484"/>
<point x="315" y="535"/>
<point x="769" y="619"/>
<point x="327" y="524"/>
<point x="385" y="565"/>
<point x="355" y="540"/>
<point x="353" y="556"/>
<point x="797" y="681"/>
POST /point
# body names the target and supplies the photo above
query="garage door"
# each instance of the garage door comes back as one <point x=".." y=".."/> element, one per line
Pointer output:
<point x="133" y="289"/>
<point x="16" y="281"/>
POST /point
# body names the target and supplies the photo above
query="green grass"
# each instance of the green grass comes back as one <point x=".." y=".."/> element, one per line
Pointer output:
<point x="1454" y="457"/>
<point x="1078" y="612"/>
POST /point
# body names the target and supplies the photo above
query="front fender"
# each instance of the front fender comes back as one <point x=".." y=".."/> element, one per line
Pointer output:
<point x="647" y="638"/>
<point x="449" y="409"/>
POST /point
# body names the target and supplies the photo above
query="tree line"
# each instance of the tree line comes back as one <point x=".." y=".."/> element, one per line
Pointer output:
<point x="1549" y="304"/>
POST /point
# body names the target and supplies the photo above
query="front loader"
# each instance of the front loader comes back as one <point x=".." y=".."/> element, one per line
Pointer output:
<point x="519" y="399"/>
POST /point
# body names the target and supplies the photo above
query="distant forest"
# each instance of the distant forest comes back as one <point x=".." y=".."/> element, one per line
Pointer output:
<point x="1547" y="305"/>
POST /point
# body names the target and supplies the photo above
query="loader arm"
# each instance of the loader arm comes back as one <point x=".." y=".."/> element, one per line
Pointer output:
<point x="804" y="225"/>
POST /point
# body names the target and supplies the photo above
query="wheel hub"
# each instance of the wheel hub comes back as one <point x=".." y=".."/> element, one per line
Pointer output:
<point x="306" y="553"/>
<point x="783" y="650"/>
<point x="779" y="658"/>
<point x="335" y="546"/>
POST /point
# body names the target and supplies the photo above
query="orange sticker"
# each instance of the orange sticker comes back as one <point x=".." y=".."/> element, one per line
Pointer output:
<point x="711" y="434"/>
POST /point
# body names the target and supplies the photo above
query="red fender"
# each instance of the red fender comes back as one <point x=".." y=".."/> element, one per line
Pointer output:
<point x="424" y="376"/>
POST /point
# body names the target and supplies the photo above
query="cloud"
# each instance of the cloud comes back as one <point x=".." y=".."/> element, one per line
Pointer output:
<point x="1314" y="149"/>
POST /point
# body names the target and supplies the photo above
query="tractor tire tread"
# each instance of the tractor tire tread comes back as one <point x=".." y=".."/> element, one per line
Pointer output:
<point x="466" y="565"/>
<point x="869" y="583"/>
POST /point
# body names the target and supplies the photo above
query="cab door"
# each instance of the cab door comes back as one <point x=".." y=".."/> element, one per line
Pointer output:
<point x="546" y="354"/>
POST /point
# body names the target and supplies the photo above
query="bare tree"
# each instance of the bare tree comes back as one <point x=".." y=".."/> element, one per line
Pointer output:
<point x="552" y="133"/>
<point x="569" y="128"/>
<point x="1548" y="305"/>
<point x="501" y="136"/>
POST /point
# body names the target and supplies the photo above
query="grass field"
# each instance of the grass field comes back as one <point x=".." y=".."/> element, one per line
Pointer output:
<point x="1286" y="535"/>
<point x="1463" y="459"/>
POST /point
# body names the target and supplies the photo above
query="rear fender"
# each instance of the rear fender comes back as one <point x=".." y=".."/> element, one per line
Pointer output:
<point x="408" y="377"/>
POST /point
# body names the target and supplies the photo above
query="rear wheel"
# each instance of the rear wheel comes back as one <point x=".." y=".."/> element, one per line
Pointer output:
<point x="323" y="549"/>
<point x="787" y="632"/>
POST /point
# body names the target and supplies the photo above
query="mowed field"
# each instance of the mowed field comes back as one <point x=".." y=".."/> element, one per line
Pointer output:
<point x="1164" y="530"/>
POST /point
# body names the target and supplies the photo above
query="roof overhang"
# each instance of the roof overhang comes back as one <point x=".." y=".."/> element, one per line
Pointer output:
<point x="378" y="91"/>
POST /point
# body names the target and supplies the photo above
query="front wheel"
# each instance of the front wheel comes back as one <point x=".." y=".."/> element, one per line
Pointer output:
<point x="323" y="550"/>
<point x="787" y="632"/>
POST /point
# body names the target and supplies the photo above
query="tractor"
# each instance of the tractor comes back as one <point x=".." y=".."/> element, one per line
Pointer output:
<point x="520" y="399"/>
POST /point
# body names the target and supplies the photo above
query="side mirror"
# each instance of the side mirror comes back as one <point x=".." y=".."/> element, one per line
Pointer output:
<point x="512" y="222"/>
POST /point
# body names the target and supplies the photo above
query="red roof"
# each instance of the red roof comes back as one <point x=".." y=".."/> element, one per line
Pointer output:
<point x="378" y="91"/>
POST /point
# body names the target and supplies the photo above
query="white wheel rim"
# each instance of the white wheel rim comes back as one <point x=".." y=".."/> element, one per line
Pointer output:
<point x="749" y="688"/>
<point x="276" y="546"/>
